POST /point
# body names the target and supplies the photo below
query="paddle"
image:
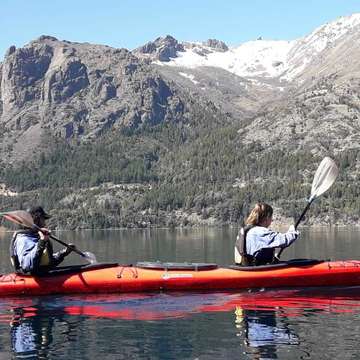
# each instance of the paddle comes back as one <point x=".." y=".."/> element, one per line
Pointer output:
<point x="325" y="176"/>
<point x="23" y="218"/>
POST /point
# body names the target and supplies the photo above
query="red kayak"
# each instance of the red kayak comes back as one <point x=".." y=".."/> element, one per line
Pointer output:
<point x="154" y="276"/>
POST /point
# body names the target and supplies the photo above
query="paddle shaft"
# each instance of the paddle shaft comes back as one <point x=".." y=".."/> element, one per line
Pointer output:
<point x="68" y="246"/>
<point x="298" y="222"/>
<point x="61" y="242"/>
<point x="303" y="213"/>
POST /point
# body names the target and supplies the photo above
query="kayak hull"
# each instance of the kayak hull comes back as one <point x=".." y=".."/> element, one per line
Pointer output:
<point x="115" y="278"/>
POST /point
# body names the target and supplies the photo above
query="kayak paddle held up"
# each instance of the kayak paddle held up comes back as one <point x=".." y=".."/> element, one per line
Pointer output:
<point x="324" y="178"/>
<point x="24" y="219"/>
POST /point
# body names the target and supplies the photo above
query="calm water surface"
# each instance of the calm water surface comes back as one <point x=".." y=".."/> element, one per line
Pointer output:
<point x="263" y="324"/>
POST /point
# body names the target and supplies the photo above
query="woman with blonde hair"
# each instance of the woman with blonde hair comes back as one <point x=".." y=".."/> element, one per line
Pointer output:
<point x="256" y="243"/>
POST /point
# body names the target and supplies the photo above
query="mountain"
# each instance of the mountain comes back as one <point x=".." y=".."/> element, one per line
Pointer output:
<point x="322" y="112"/>
<point x="80" y="91"/>
<point x="269" y="59"/>
<point x="314" y="81"/>
<point x="180" y="133"/>
<point x="259" y="74"/>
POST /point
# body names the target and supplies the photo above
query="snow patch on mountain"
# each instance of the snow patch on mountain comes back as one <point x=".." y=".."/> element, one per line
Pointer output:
<point x="191" y="77"/>
<point x="266" y="58"/>
<point x="254" y="58"/>
<point x="330" y="32"/>
<point x="307" y="48"/>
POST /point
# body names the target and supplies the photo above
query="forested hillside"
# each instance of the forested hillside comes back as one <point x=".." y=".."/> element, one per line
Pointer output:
<point x="166" y="177"/>
<point x="181" y="134"/>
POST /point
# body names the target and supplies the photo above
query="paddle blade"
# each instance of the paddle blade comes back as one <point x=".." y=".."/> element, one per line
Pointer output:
<point x="89" y="256"/>
<point x="19" y="217"/>
<point x="324" y="177"/>
<point x="23" y="218"/>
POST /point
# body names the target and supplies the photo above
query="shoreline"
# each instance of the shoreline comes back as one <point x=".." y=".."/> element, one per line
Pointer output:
<point x="281" y="227"/>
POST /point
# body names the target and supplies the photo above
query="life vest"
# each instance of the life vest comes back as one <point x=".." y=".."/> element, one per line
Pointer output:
<point x="241" y="256"/>
<point x="261" y="257"/>
<point x="45" y="258"/>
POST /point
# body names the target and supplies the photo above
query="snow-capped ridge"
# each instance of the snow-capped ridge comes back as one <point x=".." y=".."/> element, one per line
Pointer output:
<point x="254" y="58"/>
<point x="262" y="58"/>
<point x="307" y="48"/>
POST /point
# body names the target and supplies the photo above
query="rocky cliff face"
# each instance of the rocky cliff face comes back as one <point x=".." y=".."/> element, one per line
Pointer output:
<point x="161" y="49"/>
<point x="79" y="91"/>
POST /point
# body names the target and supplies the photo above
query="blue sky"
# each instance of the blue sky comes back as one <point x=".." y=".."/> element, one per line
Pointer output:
<point x="131" y="23"/>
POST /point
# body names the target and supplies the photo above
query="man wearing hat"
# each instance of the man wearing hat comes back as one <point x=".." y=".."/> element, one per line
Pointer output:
<point x="31" y="251"/>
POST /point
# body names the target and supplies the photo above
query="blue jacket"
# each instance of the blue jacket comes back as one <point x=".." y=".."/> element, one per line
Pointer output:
<point x="260" y="237"/>
<point x="28" y="248"/>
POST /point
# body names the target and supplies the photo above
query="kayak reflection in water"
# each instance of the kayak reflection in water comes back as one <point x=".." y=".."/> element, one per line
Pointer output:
<point x="256" y="243"/>
<point x="31" y="334"/>
<point x="41" y="328"/>
<point x="261" y="333"/>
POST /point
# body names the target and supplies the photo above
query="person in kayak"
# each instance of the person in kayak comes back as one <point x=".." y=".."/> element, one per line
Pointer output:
<point x="32" y="251"/>
<point x="256" y="243"/>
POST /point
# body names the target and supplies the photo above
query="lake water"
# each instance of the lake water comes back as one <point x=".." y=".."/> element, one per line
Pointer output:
<point x="263" y="324"/>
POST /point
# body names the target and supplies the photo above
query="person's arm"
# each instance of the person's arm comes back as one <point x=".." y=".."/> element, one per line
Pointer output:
<point x="273" y="239"/>
<point x="59" y="256"/>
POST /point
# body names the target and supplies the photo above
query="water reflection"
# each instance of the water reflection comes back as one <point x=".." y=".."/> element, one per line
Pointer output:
<point x="37" y="328"/>
<point x="262" y="331"/>
<point x="262" y="321"/>
<point x="222" y="325"/>
<point x="31" y="335"/>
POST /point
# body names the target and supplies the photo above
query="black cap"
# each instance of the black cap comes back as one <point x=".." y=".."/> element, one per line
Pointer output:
<point x="38" y="211"/>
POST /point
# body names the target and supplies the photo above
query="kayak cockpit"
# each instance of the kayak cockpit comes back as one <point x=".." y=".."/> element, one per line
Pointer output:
<point x="279" y="265"/>
<point x="72" y="269"/>
<point x="157" y="265"/>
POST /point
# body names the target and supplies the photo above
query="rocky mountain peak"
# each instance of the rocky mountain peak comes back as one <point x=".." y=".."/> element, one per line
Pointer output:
<point x="286" y="61"/>
<point x="10" y="50"/>
<point x="79" y="91"/>
<point x="162" y="48"/>
<point x="217" y="45"/>
<point x="312" y="48"/>
<point x="46" y="38"/>
<point x="333" y="30"/>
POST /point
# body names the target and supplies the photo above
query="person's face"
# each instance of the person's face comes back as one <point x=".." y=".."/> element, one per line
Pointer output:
<point x="42" y="222"/>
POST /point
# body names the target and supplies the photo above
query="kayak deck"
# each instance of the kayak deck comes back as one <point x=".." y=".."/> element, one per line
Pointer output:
<point x="142" y="277"/>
